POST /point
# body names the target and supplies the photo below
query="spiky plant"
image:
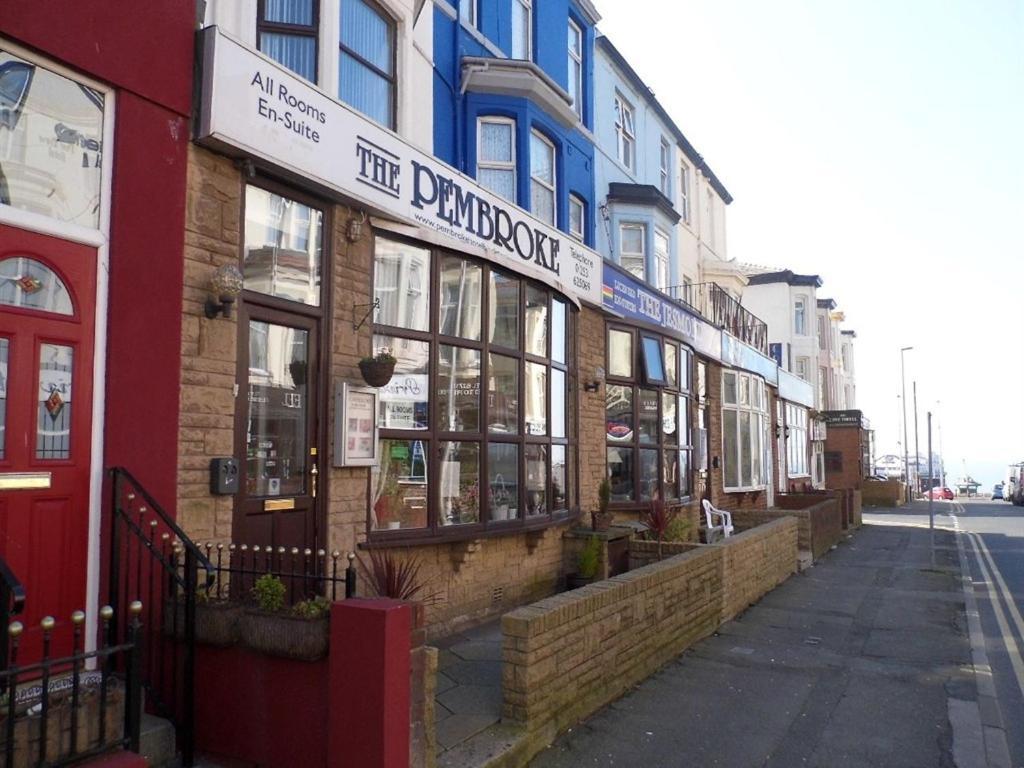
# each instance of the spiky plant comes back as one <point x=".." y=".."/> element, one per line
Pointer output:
<point x="390" y="576"/>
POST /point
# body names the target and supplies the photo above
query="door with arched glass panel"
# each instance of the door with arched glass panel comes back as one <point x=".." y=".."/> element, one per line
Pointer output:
<point x="47" y="305"/>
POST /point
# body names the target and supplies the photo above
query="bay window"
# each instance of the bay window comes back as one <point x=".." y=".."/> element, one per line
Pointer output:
<point x="366" y="68"/>
<point x="661" y="260"/>
<point x="744" y="419"/>
<point x="496" y="156"/>
<point x="477" y="424"/>
<point x="647" y="417"/>
<point x="796" y="441"/>
<point x="632" y="256"/>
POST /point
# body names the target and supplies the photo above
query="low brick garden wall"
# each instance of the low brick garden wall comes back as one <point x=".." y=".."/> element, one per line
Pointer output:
<point x="569" y="655"/>
<point x="883" y="493"/>
<point x="819" y="519"/>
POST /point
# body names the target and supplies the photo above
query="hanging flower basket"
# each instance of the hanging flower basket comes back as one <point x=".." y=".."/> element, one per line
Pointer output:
<point x="377" y="371"/>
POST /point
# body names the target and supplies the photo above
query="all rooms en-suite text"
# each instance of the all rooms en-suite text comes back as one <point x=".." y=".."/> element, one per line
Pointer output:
<point x="277" y="105"/>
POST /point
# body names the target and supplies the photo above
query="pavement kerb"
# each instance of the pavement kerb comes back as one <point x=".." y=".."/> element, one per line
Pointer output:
<point x="993" y="734"/>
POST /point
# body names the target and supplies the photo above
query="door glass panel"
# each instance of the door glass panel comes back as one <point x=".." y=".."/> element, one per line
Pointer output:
<point x="4" y="349"/>
<point x="30" y="284"/>
<point x="460" y="483"/>
<point x="277" y="443"/>
<point x="282" y="247"/>
<point x="53" y="425"/>
<point x="51" y="145"/>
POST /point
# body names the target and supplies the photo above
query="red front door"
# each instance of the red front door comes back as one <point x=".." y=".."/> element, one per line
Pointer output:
<point x="47" y="305"/>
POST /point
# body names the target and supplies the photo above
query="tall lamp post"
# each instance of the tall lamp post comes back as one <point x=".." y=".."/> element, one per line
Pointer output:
<point x="917" y="450"/>
<point x="906" y="445"/>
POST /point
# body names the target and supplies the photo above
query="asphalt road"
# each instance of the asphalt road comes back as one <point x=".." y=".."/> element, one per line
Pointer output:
<point x="993" y="537"/>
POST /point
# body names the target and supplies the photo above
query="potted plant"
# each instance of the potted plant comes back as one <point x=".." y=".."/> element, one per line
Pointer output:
<point x="378" y="369"/>
<point x="587" y="561"/>
<point x="301" y="633"/>
<point x="601" y="520"/>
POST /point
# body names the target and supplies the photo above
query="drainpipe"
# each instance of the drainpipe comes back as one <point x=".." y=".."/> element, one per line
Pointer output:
<point x="457" y="95"/>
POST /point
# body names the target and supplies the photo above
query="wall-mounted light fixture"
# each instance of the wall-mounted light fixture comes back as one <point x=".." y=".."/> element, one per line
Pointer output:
<point x="594" y="385"/>
<point x="225" y="285"/>
<point x="354" y="228"/>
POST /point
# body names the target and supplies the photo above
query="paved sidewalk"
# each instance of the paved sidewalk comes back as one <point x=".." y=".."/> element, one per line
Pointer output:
<point x="864" y="660"/>
<point x="468" y="684"/>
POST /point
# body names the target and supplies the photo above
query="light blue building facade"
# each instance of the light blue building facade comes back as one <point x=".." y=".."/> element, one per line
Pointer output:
<point x="513" y="103"/>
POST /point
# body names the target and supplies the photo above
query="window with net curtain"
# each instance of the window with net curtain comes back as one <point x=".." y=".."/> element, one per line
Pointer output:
<point x="496" y="156"/>
<point x="366" y="63"/>
<point x="287" y="32"/>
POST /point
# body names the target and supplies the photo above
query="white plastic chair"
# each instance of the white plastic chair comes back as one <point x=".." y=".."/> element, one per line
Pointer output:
<point x="713" y="513"/>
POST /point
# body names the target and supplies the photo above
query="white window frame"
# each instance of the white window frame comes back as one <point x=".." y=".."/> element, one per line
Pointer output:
<point x="469" y="12"/>
<point x="800" y="316"/>
<point x="625" y="132"/>
<point x="796" y="441"/>
<point x="661" y="261"/>
<point x="497" y="165"/>
<point x="665" y="169"/>
<point x="642" y="255"/>
<point x="755" y="404"/>
<point x="527" y="6"/>
<point x="684" y="192"/>
<point x="802" y="366"/>
<point x="551" y="186"/>
<point x="578" y="202"/>
<point x="576" y="67"/>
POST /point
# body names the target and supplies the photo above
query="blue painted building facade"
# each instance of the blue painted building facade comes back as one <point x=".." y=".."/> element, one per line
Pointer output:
<point x="483" y="75"/>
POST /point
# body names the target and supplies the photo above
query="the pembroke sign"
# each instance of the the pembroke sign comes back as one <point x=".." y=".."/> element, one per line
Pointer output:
<point x="627" y="297"/>
<point x="254" y="105"/>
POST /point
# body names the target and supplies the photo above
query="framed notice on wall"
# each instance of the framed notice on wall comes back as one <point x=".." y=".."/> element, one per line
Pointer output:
<point x="355" y="425"/>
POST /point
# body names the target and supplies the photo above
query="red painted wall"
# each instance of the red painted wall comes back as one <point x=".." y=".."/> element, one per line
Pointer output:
<point x="145" y="51"/>
<point x="144" y="47"/>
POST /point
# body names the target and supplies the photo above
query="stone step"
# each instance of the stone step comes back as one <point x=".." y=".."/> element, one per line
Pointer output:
<point x="157" y="741"/>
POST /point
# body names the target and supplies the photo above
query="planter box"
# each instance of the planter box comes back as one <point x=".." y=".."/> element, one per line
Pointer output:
<point x="289" y="637"/>
<point x="216" y="622"/>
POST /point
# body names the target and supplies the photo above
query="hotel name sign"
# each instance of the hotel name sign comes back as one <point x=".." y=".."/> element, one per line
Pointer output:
<point x="253" y="105"/>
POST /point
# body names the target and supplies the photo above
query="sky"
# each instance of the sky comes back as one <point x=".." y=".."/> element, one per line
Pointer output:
<point x="879" y="144"/>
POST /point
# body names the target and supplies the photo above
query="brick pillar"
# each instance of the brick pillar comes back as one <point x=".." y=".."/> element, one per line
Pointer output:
<point x="368" y="701"/>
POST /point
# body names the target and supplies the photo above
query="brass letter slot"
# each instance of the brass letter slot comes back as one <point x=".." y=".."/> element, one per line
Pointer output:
<point x="276" y="505"/>
<point x="23" y="481"/>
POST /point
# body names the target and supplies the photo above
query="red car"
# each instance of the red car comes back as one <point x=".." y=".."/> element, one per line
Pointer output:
<point x="941" y="493"/>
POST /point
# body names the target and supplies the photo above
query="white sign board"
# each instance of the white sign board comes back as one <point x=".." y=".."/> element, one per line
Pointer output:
<point x="254" y="105"/>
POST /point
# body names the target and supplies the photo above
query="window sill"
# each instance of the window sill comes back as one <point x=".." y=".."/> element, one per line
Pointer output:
<point x="416" y="538"/>
<point x="752" y="489"/>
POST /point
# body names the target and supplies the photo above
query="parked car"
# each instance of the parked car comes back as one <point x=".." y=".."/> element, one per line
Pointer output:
<point x="997" y="492"/>
<point x="941" y="493"/>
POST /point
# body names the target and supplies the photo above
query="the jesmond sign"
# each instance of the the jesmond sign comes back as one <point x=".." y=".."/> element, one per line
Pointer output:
<point x="253" y="105"/>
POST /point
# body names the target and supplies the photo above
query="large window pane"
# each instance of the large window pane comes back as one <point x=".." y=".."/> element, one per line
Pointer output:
<point x="404" y="402"/>
<point x="503" y="478"/>
<point x="542" y="178"/>
<point x="368" y="34"/>
<point x="459" y="310"/>
<point x="504" y="311"/>
<point x="367" y="61"/>
<point x="289" y="11"/>
<point x="684" y="421"/>
<point x="536" y="321"/>
<point x="619" y="412"/>
<point x="558" y="330"/>
<point x="53" y="424"/>
<point x="496" y="141"/>
<point x="729" y="388"/>
<point x="51" y="143"/>
<point x="648" y="474"/>
<point x="296" y="52"/>
<point x="365" y="90"/>
<point x="730" y="449"/>
<point x="460" y="483"/>
<point x="521" y="29"/>
<point x="669" y="421"/>
<point x="536" y="480"/>
<point x="620" y="353"/>
<point x="558" y="401"/>
<point x="671" y="364"/>
<point x="401" y="282"/>
<point x="620" y="473"/>
<point x="282" y="247"/>
<point x="503" y="394"/>
<point x="685" y="465"/>
<point x="500" y="181"/>
<point x="670" y="481"/>
<point x="458" y="389"/>
<point x="746" y="480"/>
<point x="647" y="400"/>
<point x="536" y="399"/>
<point x="277" y="444"/>
<point x="399" y="486"/>
<point x="559" y="478"/>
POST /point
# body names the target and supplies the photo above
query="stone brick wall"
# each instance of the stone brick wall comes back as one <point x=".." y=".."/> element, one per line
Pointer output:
<point x="570" y="654"/>
<point x="845" y="440"/>
<point x="592" y="408"/>
<point x="856" y="519"/>
<point x="882" y="493"/>
<point x="819" y="520"/>
<point x="643" y="553"/>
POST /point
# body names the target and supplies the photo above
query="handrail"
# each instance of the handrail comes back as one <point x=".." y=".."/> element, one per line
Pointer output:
<point x="15" y="604"/>
<point x="166" y="519"/>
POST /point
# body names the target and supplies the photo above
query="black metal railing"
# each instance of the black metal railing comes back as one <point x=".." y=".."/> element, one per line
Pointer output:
<point x="12" y="602"/>
<point x="305" y="573"/>
<point x="153" y="561"/>
<point x="61" y="710"/>
<point x="721" y="308"/>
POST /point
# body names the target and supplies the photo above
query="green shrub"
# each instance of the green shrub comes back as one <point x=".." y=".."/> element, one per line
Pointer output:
<point x="589" y="558"/>
<point x="678" y="530"/>
<point x="268" y="592"/>
<point x="313" y="608"/>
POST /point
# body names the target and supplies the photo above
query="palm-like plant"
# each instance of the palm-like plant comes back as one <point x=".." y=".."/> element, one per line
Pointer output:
<point x="658" y="519"/>
<point x="390" y="576"/>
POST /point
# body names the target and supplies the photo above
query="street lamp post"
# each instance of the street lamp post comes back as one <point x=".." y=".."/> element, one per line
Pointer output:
<point x="917" y="449"/>
<point x="906" y="445"/>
